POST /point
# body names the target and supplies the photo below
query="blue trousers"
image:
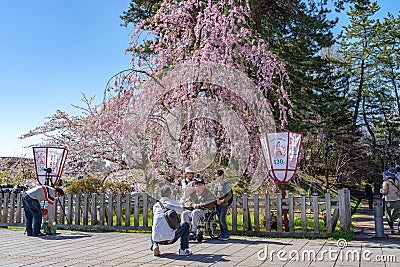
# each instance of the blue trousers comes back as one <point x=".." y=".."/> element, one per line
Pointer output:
<point x="33" y="213"/>
<point x="221" y="211"/>
<point x="182" y="232"/>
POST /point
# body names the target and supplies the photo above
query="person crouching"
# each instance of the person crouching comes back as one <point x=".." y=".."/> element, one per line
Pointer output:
<point x="161" y="233"/>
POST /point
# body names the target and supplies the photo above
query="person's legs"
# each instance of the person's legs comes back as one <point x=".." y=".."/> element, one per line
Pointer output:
<point x="221" y="210"/>
<point x="154" y="247"/>
<point x="28" y="215"/>
<point x="37" y="217"/>
<point x="196" y="218"/>
<point x="391" y="225"/>
<point x="370" y="200"/>
<point x="187" y="216"/>
<point x="183" y="233"/>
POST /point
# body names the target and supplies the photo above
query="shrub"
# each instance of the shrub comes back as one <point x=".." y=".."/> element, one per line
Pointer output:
<point x="86" y="185"/>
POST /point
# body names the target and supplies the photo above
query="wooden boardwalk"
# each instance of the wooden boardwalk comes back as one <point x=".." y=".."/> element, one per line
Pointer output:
<point x="75" y="248"/>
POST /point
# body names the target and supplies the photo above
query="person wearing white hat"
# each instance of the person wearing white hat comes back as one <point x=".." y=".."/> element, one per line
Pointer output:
<point x="187" y="183"/>
<point x="189" y="174"/>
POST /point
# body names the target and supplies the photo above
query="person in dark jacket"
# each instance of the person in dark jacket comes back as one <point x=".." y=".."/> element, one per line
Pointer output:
<point x="33" y="213"/>
<point x="198" y="201"/>
<point x="369" y="194"/>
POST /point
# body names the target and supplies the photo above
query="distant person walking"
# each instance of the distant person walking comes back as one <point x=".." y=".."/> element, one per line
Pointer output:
<point x="369" y="194"/>
<point x="389" y="189"/>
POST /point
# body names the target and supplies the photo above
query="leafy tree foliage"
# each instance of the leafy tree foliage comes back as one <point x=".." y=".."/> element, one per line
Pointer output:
<point x="369" y="49"/>
<point x="88" y="185"/>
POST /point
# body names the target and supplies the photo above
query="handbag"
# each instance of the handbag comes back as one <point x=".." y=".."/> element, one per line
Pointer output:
<point x="171" y="217"/>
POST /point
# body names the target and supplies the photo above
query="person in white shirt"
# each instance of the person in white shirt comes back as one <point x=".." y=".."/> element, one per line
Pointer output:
<point x="188" y="178"/>
<point x="187" y="184"/>
<point x="161" y="233"/>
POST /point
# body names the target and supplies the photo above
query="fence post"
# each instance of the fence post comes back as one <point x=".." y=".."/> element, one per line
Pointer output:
<point x="344" y="209"/>
<point x="110" y="209"/>
<point x="5" y="207"/>
<point x="85" y="209"/>
<point x="303" y="209"/>
<point x="102" y="208"/>
<point x="316" y="213"/>
<point x="12" y="208"/>
<point x="145" y="210"/>
<point x="136" y="210"/>
<point x="234" y="214"/>
<point x="1" y="207"/>
<point x="378" y="218"/>
<point x="267" y="212"/>
<point x="246" y="213"/>
<point x="62" y="211"/>
<point x="291" y="213"/>
<point x="127" y="209"/>
<point x="118" y="210"/>
<point x="256" y="214"/>
<point x="328" y="213"/>
<point x="19" y="208"/>
<point x="77" y="209"/>
<point x="93" y="216"/>
<point x="70" y="208"/>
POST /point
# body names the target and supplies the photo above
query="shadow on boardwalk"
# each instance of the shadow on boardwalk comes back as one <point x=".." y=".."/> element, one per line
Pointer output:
<point x="81" y="249"/>
<point x="365" y="226"/>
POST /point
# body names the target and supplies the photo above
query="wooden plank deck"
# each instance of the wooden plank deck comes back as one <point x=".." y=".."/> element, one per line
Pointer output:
<point x="76" y="248"/>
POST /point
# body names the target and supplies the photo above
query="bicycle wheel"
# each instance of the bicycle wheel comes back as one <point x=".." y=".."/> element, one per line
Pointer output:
<point x="213" y="227"/>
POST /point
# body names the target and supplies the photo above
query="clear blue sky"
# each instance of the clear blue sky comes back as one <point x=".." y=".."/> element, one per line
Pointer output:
<point x="51" y="51"/>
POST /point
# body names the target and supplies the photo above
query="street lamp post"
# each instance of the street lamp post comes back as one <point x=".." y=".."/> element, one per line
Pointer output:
<point x="281" y="152"/>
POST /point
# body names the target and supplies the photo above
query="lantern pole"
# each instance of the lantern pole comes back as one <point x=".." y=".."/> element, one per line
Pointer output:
<point x="285" y="217"/>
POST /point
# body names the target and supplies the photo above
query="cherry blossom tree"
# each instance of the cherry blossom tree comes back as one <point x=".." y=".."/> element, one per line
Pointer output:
<point x="17" y="171"/>
<point x="198" y="94"/>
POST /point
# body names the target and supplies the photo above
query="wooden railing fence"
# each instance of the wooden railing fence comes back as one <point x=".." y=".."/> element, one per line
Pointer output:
<point x="313" y="216"/>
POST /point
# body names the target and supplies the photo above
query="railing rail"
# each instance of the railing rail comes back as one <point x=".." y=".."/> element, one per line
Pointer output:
<point x="258" y="215"/>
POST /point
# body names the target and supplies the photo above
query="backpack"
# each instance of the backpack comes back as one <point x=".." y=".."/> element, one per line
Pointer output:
<point x="171" y="217"/>
<point x="398" y="189"/>
<point x="224" y="190"/>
